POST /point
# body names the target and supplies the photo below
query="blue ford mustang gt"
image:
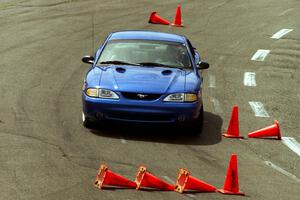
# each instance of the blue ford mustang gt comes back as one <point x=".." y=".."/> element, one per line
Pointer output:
<point x="144" y="76"/>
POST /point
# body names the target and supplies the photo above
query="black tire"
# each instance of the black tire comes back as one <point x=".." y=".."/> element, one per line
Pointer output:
<point x="195" y="128"/>
<point x="86" y="122"/>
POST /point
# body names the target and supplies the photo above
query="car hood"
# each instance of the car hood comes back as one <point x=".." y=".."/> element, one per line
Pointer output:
<point x="143" y="79"/>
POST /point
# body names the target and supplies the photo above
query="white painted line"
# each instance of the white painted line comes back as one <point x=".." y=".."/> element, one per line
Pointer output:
<point x="216" y="6"/>
<point x="292" y="176"/>
<point x="169" y="180"/>
<point x="191" y="195"/>
<point x="173" y="182"/>
<point x="292" y="144"/>
<point x="249" y="79"/>
<point x="217" y="106"/>
<point x="123" y="140"/>
<point x="235" y="44"/>
<point x="281" y="33"/>
<point x="285" y="12"/>
<point x="211" y="81"/>
<point x="258" y="109"/>
<point x="260" y="55"/>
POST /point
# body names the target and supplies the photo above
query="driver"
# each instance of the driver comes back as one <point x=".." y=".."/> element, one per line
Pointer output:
<point x="174" y="55"/>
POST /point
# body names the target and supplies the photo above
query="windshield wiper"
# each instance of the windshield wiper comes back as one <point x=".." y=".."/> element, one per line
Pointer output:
<point x="118" y="62"/>
<point x="152" y="64"/>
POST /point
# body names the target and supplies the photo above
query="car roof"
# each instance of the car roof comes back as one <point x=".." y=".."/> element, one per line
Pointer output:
<point x="147" y="35"/>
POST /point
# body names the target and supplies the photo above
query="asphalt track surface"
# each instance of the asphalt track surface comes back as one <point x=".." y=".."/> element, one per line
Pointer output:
<point x="46" y="153"/>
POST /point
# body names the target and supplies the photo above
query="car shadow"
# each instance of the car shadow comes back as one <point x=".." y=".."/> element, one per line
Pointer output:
<point x="172" y="134"/>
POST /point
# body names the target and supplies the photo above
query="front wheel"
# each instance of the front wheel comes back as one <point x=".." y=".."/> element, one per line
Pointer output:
<point x="195" y="128"/>
<point x="86" y="122"/>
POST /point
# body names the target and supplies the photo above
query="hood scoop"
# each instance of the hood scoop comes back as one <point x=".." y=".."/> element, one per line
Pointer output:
<point x="143" y="80"/>
<point x="166" y="72"/>
<point x="120" y="70"/>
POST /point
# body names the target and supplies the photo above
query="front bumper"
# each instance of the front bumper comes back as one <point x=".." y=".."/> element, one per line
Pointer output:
<point x="127" y="110"/>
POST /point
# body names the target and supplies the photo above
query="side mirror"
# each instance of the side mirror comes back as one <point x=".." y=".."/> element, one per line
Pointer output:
<point x="202" y="65"/>
<point x="88" y="59"/>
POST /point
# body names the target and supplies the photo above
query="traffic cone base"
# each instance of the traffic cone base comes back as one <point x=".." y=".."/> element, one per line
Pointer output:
<point x="232" y="136"/>
<point x="270" y="131"/>
<point x="177" y="18"/>
<point x="139" y="177"/>
<point x="156" y="19"/>
<point x="231" y="193"/>
<point x="100" y="176"/>
<point x="177" y="25"/>
<point x="231" y="184"/>
<point x="233" y="126"/>
<point x="145" y="179"/>
<point x="181" y="180"/>
<point x="187" y="182"/>
<point x="106" y="177"/>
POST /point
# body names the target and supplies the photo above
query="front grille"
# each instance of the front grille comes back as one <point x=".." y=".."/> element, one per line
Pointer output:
<point x="139" y="117"/>
<point x="140" y="96"/>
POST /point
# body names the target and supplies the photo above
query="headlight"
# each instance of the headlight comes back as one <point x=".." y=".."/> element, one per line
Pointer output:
<point x="107" y="94"/>
<point x="101" y="93"/>
<point x="191" y="97"/>
<point x="92" y="92"/>
<point x="181" y="97"/>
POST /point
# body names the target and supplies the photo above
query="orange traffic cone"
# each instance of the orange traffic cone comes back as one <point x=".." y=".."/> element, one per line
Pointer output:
<point x="107" y="177"/>
<point x="186" y="182"/>
<point x="147" y="180"/>
<point x="177" y="17"/>
<point x="156" y="19"/>
<point x="269" y="131"/>
<point x="233" y="127"/>
<point x="231" y="185"/>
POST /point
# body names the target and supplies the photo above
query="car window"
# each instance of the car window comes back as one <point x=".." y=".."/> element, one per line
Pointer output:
<point x="172" y="54"/>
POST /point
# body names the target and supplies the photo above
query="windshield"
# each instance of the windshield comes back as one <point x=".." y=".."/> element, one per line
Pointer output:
<point x="145" y="53"/>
